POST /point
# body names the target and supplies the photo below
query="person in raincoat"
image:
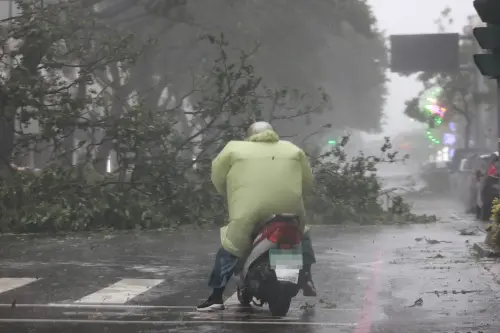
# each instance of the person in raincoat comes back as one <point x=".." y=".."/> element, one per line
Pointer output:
<point x="260" y="177"/>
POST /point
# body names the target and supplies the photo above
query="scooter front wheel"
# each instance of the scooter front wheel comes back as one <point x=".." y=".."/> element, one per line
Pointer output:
<point x="243" y="296"/>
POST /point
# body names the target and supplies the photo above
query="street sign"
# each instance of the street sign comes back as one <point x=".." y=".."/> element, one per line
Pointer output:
<point x="424" y="52"/>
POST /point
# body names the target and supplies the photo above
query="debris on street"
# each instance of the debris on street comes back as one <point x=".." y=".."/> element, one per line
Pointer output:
<point x="418" y="302"/>
<point x="434" y="241"/>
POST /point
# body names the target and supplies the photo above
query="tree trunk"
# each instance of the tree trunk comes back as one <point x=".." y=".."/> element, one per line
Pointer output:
<point x="6" y="138"/>
<point x="119" y="101"/>
<point x="32" y="52"/>
<point x="467" y="133"/>
<point x="69" y="133"/>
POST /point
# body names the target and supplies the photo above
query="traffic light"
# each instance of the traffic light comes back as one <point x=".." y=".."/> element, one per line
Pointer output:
<point x="488" y="37"/>
<point x="332" y="142"/>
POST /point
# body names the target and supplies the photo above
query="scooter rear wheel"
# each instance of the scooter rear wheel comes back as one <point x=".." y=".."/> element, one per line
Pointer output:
<point x="279" y="304"/>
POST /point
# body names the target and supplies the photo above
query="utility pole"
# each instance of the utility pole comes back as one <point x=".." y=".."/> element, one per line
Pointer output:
<point x="489" y="39"/>
<point x="498" y="113"/>
<point x="480" y="108"/>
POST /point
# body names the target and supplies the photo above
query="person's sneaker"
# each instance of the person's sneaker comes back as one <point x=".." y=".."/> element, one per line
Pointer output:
<point x="211" y="305"/>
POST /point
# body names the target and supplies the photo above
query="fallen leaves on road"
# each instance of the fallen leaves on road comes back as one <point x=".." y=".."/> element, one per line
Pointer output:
<point x="454" y="292"/>
<point x="327" y="304"/>
<point x="434" y="241"/>
<point x="308" y="306"/>
<point x="437" y="256"/>
<point x="95" y="316"/>
<point x="324" y="304"/>
<point x="468" y="232"/>
<point x="418" y="302"/>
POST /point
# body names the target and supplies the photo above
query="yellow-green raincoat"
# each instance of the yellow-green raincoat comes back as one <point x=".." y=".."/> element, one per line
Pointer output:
<point x="260" y="177"/>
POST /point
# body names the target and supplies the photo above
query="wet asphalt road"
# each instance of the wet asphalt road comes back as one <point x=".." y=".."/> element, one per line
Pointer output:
<point x="368" y="278"/>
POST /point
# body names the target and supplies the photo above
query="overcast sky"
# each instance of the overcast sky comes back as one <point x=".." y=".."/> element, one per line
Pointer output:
<point x="412" y="17"/>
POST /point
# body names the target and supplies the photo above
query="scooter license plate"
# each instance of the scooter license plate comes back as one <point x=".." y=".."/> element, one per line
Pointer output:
<point x="286" y="263"/>
<point x="287" y="274"/>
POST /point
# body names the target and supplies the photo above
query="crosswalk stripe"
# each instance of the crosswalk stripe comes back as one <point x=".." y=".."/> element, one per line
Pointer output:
<point x="120" y="292"/>
<point x="7" y="284"/>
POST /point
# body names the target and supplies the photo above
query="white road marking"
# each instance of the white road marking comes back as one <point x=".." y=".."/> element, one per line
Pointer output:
<point x="259" y="315"/>
<point x="367" y="265"/>
<point x="335" y="252"/>
<point x="97" y="306"/>
<point x="172" y="322"/>
<point x="7" y="284"/>
<point x="121" y="291"/>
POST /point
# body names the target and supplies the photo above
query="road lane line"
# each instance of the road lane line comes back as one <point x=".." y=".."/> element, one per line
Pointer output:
<point x="370" y="266"/>
<point x="121" y="291"/>
<point x="365" y="321"/>
<point x="7" y="284"/>
<point x="170" y="322"/>
<point x="96" y="306"/>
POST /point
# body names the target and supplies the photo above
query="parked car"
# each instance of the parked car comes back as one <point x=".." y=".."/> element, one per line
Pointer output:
<point x="462" y="179"/>
<point x="436" y="177"/>
<point x="459" y="155"/>
<point x="467" y="182"/>
<point x="488" y="185"/>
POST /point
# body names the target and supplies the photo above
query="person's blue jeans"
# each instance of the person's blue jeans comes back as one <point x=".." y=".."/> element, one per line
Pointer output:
<point x="225" y="263"/>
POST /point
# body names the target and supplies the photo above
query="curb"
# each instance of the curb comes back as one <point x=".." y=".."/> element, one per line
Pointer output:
<point x="487" y="251"/>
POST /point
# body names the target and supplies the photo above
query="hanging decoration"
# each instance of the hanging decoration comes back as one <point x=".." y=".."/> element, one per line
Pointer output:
<point x="432" y="138"/>
<point x="429" y="104"/>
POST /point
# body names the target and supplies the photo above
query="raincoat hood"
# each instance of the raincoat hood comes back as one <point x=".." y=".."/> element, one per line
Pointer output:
<point x="266" y="136"/>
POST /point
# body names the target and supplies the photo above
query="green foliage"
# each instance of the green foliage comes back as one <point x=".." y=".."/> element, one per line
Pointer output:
<point x="348" y="190"/>
<point x="413" y="110"/>
<point x="493" y="228"/>
<point x="60" y="199"/>
<point x="94" y="85"/>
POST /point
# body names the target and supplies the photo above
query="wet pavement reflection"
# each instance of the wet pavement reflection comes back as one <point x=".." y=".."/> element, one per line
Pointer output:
<point x="372" y="279"/>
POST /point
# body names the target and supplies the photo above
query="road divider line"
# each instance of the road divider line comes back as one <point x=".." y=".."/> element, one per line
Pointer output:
<point x="7" y="284"/>
<point x="171" y="322"/>
<point x="121" y="291"/>
<point x="130" y="307"/>
<point x="365" y="320"/>
<point x="370" y="266"/>
<point x="96" y="306"/>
